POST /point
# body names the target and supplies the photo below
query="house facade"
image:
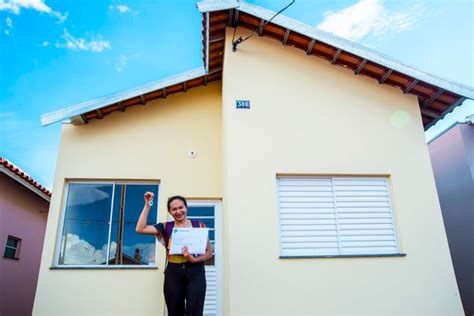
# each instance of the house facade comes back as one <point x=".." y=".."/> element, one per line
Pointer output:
<point x="452" y="158"/>
<point x="24" y="207"/>
<point x="316" y="182"/>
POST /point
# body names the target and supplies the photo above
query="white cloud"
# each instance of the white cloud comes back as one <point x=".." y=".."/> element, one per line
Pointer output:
<point x="122" y="8"/>
<point x="122" y="63"/>
<point x="61" y="17"/>
<point x="9" y="22"/>
<point x="84" y="195"/>
<point x="79" y="251"/>
<point x="45" y="44"/>
<point x="15" y="7"/>
<point x="96" y="45"/>
<point x="369" y="18"/>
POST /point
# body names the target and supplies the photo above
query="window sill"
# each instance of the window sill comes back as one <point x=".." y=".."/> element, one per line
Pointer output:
<point x="11" y="258"/>
<point x="345" y="256"/>
<point x="103" y="268"/>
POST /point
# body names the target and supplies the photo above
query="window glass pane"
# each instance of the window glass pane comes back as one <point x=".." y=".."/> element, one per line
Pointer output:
<point x="211" y="235"/>
<point x="12" y="242"/>
<point x="201" y="211"/>
<point x="86" y="226"/>
<point x="209" y="222"/>
<point x="127" y="246"/>
<point x="9" y="252"/>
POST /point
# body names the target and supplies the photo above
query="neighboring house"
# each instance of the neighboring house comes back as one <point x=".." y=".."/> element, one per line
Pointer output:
<point x="452" y="157"/>
<point x="24" y="205"/>
<point x="314" y="178"/>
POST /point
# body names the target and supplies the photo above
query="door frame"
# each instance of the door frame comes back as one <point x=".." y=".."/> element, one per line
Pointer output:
<point x="217" y="204"/>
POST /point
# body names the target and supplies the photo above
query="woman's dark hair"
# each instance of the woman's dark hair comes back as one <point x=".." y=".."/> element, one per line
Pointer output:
<point x="176" y="197"/>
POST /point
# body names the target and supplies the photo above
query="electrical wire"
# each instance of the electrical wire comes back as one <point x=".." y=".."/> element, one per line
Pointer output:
<point x="260" y="27"/>
<point x="233" y="36"/>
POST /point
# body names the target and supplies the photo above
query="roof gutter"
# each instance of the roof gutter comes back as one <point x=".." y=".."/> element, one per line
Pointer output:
<point x="217" y="5"/>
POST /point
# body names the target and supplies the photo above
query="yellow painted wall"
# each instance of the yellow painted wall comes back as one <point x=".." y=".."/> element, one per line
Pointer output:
<point x="149" y="142"/>
<point x="306" y="117"/>
<point x="310" y="117"/>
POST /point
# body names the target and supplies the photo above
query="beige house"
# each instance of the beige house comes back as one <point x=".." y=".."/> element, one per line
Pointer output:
<point x="314" y="178"/>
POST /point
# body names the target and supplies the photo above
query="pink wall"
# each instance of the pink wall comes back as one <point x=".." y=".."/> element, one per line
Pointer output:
<point x="452" y="158"/>
<point x="22" y="214"/>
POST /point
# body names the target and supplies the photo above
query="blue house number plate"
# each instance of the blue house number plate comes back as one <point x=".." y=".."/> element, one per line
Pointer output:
<point x="242" y="104"/>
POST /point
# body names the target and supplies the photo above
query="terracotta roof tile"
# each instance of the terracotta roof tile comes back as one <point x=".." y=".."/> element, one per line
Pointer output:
<point x="10" y="166"/>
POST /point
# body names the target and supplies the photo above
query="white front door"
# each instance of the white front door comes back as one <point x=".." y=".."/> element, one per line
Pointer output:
<point x="209" y="212"/>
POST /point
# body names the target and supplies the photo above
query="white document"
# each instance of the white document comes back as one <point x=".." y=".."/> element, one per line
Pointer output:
<point x="193" y="238"/>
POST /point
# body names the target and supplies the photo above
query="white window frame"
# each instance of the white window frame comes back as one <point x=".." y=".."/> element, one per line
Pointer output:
<point x="396" y="253"/>
<point x="57" y="253"/>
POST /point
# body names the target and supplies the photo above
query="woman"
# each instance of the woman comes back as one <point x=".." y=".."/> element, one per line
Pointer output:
<point x="185" y="278"/>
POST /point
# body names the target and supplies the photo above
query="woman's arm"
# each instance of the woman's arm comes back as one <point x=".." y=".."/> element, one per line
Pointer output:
<point x="142" y="227"/>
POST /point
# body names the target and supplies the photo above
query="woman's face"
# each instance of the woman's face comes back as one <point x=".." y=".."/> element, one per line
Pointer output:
<point x="178" y="210"/>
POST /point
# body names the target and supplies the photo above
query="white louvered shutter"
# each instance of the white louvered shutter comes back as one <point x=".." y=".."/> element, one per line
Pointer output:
<point x="307" y="217"/>
<point x="210" y="304"/>
<point x="335" y="216"/>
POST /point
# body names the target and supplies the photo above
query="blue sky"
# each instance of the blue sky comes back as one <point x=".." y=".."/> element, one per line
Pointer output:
<point x="54" y="54"/>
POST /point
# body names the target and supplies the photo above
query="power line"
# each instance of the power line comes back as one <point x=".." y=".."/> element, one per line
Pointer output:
<point x="258" y="29"/>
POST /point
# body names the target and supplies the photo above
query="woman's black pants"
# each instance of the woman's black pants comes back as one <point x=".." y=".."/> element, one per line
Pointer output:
<point x="185" y="288"/>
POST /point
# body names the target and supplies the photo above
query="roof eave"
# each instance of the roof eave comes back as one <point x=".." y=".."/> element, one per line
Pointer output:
<point x="74" y="112"/>
<point x="24" y="183"/>
<point x="345" y="45"/>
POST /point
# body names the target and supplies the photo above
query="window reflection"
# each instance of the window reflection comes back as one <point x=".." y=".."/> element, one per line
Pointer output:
<point x="133" y="248"/>
<point x="85" y="232"/>
<point x="85" y="237"/>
